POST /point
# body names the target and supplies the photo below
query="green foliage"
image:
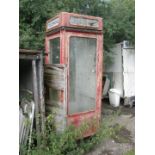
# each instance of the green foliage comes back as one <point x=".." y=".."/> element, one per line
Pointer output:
<point x="119" y="25"/>
<point x="131" y="152"/>
<point x="118" y="17"/>
<point x="70" y="141"/>
<point x="121" y="22"/>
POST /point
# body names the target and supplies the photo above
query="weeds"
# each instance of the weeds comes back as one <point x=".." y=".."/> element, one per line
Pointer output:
<point x="131" y="152"/>
<point x="70" y="142"/>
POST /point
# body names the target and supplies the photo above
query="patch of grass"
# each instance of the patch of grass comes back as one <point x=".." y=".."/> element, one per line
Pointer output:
<point x="66" y="143"/>
<point x="121" y="134"/>
<point x="131" y="152"/>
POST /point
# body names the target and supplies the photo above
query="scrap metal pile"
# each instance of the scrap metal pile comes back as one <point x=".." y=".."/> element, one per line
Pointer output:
<point x="26" y="118"/>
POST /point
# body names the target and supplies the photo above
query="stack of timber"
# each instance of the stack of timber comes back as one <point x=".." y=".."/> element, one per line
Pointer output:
<point x="55" y="76"/>
<point x="56" y="86"/>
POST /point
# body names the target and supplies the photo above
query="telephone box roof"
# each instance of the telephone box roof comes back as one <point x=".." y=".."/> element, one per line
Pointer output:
<point x="74" y="21"/>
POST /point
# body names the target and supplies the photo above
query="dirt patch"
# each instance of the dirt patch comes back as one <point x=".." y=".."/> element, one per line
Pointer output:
<point x="107" y="109"/>
<point x="122" y="119"/>
<point x="122" y="135"/>
<point x="107" y="152"/>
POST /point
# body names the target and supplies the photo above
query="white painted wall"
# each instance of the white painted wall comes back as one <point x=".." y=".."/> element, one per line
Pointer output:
<point x="129" y="72"/>
<point x="115" y="70"/>
<point x="122" y="71"/>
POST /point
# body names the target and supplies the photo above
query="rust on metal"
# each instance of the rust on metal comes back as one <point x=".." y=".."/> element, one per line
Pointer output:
<point x="64" y="30"/>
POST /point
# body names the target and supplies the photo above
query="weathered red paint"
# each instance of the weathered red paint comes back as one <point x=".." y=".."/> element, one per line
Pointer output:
<point x="78" y="118"/>
<point x="65" y="17"/>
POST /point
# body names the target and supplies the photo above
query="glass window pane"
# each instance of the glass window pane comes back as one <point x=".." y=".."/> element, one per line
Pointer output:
<point x="82" y="74"/>
<point x="84" y="21"/>
<point x="55" y="51"/>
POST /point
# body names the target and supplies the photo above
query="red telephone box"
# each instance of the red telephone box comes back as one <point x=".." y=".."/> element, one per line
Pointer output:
<point x="74" y="47"/>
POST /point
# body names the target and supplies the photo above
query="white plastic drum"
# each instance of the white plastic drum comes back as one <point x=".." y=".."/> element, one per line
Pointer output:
<point x="114" y="97"/>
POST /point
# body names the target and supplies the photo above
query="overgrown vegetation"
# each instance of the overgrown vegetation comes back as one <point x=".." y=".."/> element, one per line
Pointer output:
<point x="69" y="142"/>
<point x="118" y="16"/>
<point x="66" y="142"/>
<point x="131" y="152"/>
<point x="119" y="20"/>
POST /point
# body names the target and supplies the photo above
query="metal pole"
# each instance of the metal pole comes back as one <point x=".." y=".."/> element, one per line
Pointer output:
<point x="36" y="99"/>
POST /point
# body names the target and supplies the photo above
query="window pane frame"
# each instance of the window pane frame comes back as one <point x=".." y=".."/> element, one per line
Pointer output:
<point x="96" y="47"/>
<point x="51" y="60"/>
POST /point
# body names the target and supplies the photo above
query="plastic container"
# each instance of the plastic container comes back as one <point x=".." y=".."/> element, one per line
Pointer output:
<point x="114" y="97"/>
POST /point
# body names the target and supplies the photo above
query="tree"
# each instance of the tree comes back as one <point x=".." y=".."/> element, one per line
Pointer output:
<point x="119" y="25"/>
<point x="118" y="17"/>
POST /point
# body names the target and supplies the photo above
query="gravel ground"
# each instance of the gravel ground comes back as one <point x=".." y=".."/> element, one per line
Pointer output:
<point x="125" y="140"/>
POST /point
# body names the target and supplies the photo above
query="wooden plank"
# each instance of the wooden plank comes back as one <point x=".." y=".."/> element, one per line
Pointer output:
<point x="56" y="78"/>
<point x="29" y="51"/>
<point x="28" y="57"/>
<point x="53" y="77"/>
<point x="56" y="65"/>
<point x="41" y="93"/>
<point x="36" y="99"/>
<point x="54" y="72"/>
